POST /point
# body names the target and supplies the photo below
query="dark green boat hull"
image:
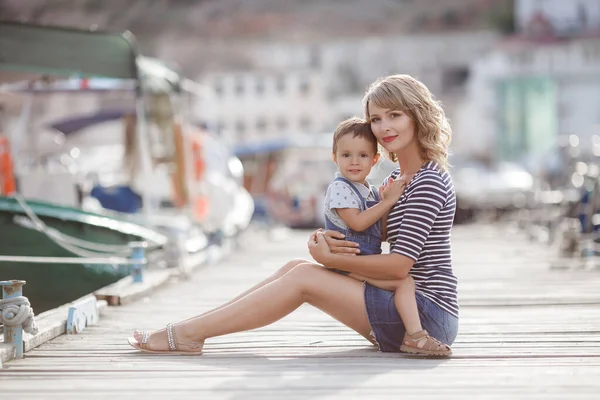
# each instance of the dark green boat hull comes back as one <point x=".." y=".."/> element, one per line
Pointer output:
<point x="51" y="285"/>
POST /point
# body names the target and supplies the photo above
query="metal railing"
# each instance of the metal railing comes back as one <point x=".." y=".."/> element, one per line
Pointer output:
<point x="564" y="209"/>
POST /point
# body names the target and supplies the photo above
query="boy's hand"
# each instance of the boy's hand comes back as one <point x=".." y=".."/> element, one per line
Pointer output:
<point x="392" y="191"/>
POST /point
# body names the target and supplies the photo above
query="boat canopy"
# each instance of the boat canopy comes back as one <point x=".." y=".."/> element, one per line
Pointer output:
<point x="95" y="60"/>
<point x="47" y="50"/>
<point x="73" y="124"/>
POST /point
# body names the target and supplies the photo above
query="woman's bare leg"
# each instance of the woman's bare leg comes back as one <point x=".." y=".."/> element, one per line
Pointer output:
<point x="337" y="295"/>
<point x="279" y="273"/>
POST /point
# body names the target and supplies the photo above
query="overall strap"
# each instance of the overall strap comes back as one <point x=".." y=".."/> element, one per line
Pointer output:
<point x="375" y="192"/>
<point x="346" y="181"/>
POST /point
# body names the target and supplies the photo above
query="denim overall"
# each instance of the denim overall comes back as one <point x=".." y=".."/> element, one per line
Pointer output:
<point x="369" y="239"/>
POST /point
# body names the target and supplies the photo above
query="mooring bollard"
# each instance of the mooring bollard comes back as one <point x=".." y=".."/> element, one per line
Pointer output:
<point x="13" y="334"/>
<point x="138" y="255"/>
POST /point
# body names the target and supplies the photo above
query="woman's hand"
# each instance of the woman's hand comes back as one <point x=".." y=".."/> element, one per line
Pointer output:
<point x="337" y="244"/>
<point x="318" y="248"/>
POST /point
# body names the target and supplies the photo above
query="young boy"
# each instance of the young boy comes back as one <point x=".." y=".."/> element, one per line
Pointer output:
<point x="354" y="208"/>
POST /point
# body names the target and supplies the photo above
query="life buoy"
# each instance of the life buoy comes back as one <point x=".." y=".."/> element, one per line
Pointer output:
<point x="189" y="191"/>
<point x="197" y="158"/>
<point x="200" y="201"/>
<point x="7" y="177"/>
<point x="201" y="207"/>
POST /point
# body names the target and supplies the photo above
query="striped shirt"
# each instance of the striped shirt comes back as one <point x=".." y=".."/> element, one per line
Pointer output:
<point x="419" y="227"/>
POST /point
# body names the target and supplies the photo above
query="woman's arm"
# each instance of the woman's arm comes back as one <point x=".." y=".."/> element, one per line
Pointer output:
<point x="422" y="207"/>
<point x="385" y="284"/>
<point x="381" y="266"/>
<point x="337" y="244"/>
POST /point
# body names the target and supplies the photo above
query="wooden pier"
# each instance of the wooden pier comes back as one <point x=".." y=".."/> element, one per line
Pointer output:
<point x="526" y="331"/>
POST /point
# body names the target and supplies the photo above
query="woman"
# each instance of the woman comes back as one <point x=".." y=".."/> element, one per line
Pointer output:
<point x="411" y="126"/>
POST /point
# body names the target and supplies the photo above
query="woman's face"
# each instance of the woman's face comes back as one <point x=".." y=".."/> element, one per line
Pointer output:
<point x="394" y="129"/>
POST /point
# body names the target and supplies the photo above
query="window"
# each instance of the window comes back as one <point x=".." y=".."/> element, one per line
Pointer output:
<point x="304" y="86"/>
<point x="305" y="124"/>
<point x="349" y="79"/>
<point x="239" y="86"/>
<point x="220" y="127"/>
<point x="591" y="52"/>
<point x="282" y="124"/>
<point x="522" y="59"/>
<point x="240" y="127"/>
<point x="261" y="125"/>
<point x="218" y="87"/>
<point x="260" y="85"/>
<point x="315" y="57"/>
<point x="451" y="18"/>
<point x="454" y="78"/>
<point x="280" y="85"/>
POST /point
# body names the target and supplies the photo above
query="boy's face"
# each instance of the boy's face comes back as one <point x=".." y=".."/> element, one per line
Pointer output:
<point x="355" y="157"/>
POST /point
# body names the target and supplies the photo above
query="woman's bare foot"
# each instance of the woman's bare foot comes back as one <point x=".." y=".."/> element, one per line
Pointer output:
<point x="159" y="341"/>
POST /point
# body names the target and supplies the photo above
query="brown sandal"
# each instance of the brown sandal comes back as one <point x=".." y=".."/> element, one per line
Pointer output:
<point x="423" y="344"/>
<point x="171" y="339"/>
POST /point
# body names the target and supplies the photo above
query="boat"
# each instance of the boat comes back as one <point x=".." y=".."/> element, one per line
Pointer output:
<point x="51" y="210"/>
<point x="51" y="285"/>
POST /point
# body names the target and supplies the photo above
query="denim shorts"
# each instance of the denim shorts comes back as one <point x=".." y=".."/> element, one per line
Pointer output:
<point x="388" y="329"/>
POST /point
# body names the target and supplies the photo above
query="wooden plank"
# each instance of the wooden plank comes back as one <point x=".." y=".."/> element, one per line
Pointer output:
<point x="7" y="352"/>
<point x="526" y="331"/>
<point x="125" y="291"/>
<point x="51" y="324"/>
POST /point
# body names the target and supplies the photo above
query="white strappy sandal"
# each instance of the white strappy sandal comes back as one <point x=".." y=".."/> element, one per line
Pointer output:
<point x="173" y="344"/>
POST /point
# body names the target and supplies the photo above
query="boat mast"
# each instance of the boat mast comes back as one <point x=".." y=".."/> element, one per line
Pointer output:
<point x="143" y="147"/>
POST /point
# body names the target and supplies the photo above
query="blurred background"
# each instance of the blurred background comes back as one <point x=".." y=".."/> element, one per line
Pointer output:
<point x="203" y="126"/>
<point x="519" y="80"/>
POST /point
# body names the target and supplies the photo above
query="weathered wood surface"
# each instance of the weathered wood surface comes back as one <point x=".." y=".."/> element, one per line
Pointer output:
<point x="526" y="331"/>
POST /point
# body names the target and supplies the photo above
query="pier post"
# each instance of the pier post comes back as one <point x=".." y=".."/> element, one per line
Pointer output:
<point x="138" y="254"/>
<point x="13" y="334"/>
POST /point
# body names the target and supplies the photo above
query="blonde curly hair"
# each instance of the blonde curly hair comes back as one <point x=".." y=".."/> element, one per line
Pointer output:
<point x="403" y="92"/>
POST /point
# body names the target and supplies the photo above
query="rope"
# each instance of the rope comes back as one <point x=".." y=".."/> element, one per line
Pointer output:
<point x="17" y="311"/>
<point x="66" y="240"/>
<point x="56" y="235"/>
<point x="73" y="260"/>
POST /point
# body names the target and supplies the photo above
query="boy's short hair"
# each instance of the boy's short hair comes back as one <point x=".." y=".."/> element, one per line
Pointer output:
<point x="357" y="126"/>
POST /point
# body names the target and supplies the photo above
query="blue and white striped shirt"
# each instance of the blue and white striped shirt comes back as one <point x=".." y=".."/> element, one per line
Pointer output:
<point x="419" y="227"/>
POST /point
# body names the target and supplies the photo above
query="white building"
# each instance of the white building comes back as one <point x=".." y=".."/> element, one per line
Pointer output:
<point x="533" y="87"/>
<point x="301" y="88"/>
<point x="532" y="93"/>
<point x="255" y="105"/>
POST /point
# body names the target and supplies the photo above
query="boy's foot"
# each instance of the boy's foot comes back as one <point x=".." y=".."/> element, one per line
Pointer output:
<point x="423" y="344"/>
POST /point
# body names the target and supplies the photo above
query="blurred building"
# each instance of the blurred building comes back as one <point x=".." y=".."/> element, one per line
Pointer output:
<point x="538" y="84"/>
<point x="558" y="17"/>
<point x="262" y="104"/>
<point x="305" y="88"/>
<point x="293" y="66"/>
